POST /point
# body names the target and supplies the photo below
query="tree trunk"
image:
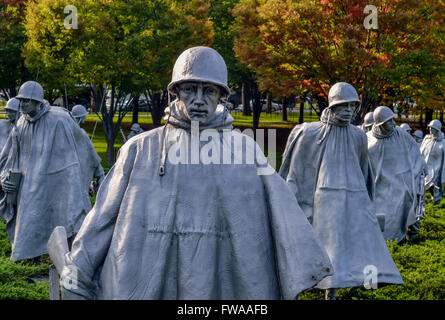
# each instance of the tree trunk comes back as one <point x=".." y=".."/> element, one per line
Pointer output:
<point x="269" y="104"/>
<point x="301" y="119"/>
<point x="441" y="117"/>
<point x="256" y="109"/>
<point x="159" y="103"/>
<point x="421" y="118"/>
<point x="284" y="111"/>
<point x="245" y="98"/>
<point x="428" y="116"/>
<point x="110" y="152"/>
<point x="136" y="109"/>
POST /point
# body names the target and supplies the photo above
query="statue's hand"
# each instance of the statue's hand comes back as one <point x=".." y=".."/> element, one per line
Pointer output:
<point x="8" y="186"/>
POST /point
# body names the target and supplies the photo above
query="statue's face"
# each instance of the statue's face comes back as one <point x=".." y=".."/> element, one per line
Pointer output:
<point x="12" y="115"/>
<point x="80" y="120"/>
<point x="389" y="125"/>
<point x="434" y="132"/>
<point x="200" y="99"/>
<point x="344" y="111"/>
<point x="29" y="107"/>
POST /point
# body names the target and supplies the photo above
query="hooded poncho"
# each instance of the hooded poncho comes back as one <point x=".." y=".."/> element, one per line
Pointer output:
<point x="50" y="152"/>
<point x="433" y="151"/>
<point x="197" y="231"/>
<point x="325" y="165"/>
<point x="5" y="130"/>
<point x="398" y="167"/>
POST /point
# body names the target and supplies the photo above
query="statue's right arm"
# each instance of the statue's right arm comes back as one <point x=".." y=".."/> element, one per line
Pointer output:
<point x="92" y="243"/>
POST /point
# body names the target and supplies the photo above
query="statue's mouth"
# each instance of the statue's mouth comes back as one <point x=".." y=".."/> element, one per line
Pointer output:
<point x="200" y="113"/>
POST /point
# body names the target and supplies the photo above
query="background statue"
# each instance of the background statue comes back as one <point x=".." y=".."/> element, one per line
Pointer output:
<point x="166" y="230"/>
<point x="91" y="167"/>
<point x="41" y="175"/>
<point x="325" y="164"/>
<point x="399" y="171"/>
<point x="135" y="130"/>
<point x="433" y="151"/>
<point x="79" y="114"/>
<point x="406" y="127"/>
<point x="11" y="108"/>
<point x="368" y="121"/>
<point x="418" y="136"/>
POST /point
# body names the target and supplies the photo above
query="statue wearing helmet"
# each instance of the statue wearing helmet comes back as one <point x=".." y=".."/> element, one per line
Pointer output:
<point x="135" y="130"/>
<point x="94" y="167"/>
<point x="368" y="121"/>
<point x="41" y="158"/>
<point x="406" y="127"/>
<point x="168" y="217"/>
<point x="12" y="110"/>
<point x="433" y="151"/>
<point x="399" y="171"/>
<point x="418" y="136"/>
<point x="79" y="113"/>
<point x="326" y="166"/>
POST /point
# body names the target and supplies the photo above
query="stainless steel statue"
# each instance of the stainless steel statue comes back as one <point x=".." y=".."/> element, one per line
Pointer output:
<point x="433" y="151"/>
<point x="418" y="136"/>
<point x="193" y="229"/>
<point x="12" y="110"/>
<point x="406" y="127"/>
<point x="135" y="130"/>
<point x="92" y="168"/>
<point x="368" y="121"/>
<point x="399" y="172"/>
<point x="325" y="165"/>
<point x="42" y="180"/>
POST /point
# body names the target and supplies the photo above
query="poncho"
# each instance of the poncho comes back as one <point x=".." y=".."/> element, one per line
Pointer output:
<point x="199" y="231"/>
<point x="433" y="151"/>
<point x="49" y="151"/>
<point x="398" y="167"/>
<point x="5" y="130"/>
<point x="326" y="167"/>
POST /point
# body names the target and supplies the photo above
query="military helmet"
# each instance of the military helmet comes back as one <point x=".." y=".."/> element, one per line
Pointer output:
<point x="342" y="92"/>
<point x="31" y="90"/>
<point x="382" y="114"/>
<point x="79" y="111"/>
<point x="436" y="124"/>
<point x="418" y="134"/>
<point x="369" y="119"/>
<point x="202" y="64"/>
<point x="135" y="127"/>
<point x="406" y="127"/>
<point x="12" y="104"/>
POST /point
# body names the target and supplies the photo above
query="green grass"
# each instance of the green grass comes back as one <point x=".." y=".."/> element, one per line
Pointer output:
<point x="421" y="265"/>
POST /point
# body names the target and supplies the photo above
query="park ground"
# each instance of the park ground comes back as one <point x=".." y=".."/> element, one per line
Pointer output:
<point x="422" y="265"/>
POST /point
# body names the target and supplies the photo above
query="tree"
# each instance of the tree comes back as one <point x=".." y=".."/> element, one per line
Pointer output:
<point x="298" y="46"/>
<point x="121" y="49"/>
<point x="12" y="67"/>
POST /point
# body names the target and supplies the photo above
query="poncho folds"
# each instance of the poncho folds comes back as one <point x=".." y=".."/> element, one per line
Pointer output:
<point x="398" y="167"/>
<point x="199" y="231"/>
<point x="5" y="130"/>
<point x="433" y="151"/>
<point x="326" y="167"/>
<point x="50" y="152"/>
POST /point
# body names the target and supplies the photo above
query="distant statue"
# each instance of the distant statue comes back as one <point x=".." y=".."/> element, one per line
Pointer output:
<point x="418" y="136"/>
<point x="399" y="172"/>
<point x="135" y="130"/>
<point x="92" y="168"/>
<point x="368" y="121"/>
<point x="12" y="110"/>
<point x="406" y="127"/>
<point x="433" y="151"/>
<point x="79" y="114"/>
<point x="42" y="177"/>
<point x="325" y="165"/>
<point x="162" y="229"/>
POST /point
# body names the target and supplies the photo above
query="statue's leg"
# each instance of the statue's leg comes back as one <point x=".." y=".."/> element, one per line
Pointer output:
<point x="330" y="294"/>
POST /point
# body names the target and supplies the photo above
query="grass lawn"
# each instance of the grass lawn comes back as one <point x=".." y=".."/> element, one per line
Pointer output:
<point x="421" y="265"/>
